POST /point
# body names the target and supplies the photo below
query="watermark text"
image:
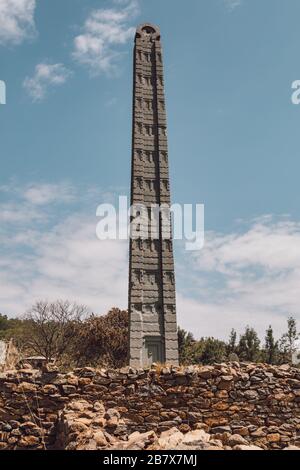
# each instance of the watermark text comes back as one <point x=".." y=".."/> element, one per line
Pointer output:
<point x="152" y="222"/>
<point x="2" y="92"/>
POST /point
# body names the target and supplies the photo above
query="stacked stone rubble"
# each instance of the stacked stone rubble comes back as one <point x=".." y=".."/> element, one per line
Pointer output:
<point x="245" y="404"/>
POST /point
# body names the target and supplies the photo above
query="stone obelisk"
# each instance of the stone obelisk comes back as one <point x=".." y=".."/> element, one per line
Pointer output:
<point x="152" y="303"/>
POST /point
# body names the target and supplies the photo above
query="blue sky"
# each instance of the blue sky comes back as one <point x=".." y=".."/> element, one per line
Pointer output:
<point x="233" y="141"/>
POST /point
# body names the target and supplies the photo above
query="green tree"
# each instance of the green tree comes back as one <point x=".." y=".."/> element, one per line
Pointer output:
<point x="232" y="343"/>
<point x="271" y="349"/>
<point x="103" y="340"/>
<point x="185" y="344"/>
<point x="12" y="328"/>
<point x="4" y="325"/>
<point x="249" y="346"/>
<point x="288" y="340"/>
<point x="214" y="351"/>
<point x="207" y="351"/>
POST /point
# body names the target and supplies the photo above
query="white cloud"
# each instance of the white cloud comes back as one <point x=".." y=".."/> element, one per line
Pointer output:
<point x="249" y="277"/>
<point x="58" y="255"/>
<point x="41" y="194"/>
<point x="232" y="4"/>
<point x="13" y="212"/>
<point x="103" y="32"/>
<point x="16" y="20"/>
<point x="49" y="249"/>
<point x="29" y="204"/>
<point x="45" y="76"/>
<point x="73" y="263"/>
<point x="68" y="262"/>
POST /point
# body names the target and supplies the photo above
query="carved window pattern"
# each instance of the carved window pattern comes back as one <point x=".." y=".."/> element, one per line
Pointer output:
<point x="151" y="278"/>
<point x="160" y="80"/>
<point x="169" y="277"/>
<point x="148" y="130"/>
<point x="138" y="183"/>
<point x="139" y="128"/>
<point x="163" y="131"/>
<point x="165" y="185"/>
<point x="150" y="184"/>
<point x="162" y="105"/>
<point x="137" y="308"/>
<point x="148" y="105"/>
<point x="150" y="156"/>
<point x="168" y="245"/>
<point x="147" y="309"/>
<point x="147" y="81"/>
<point x="137" y="244"/>
<point x="164" y="157"/>
<point x="137" y="277"/>
<point x="170" y="309"/>
<point x="154" y="246"/>
<point x="139" y="155"/>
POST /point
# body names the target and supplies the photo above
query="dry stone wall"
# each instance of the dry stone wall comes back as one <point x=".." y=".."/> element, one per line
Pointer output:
<point x="241" y="404"/>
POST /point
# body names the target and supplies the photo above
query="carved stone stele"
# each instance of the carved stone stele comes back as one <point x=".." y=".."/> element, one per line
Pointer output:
<point x="152" y="304"/>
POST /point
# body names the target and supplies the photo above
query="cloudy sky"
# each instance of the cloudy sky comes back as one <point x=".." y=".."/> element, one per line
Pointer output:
<point x="233" y="136"/>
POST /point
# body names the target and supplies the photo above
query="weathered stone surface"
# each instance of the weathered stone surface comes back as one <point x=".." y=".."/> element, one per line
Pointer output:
<point x="196" y="437"/>
<point x="246" y="448"/>
<point x="220" y="429"/>
<point x="261" y="432"/>
<point x="273" y="437"/>
<point x="152" y="304"/>
<point x="28" y="441"/>
<point x="236" y="439"/>
<point x="225" y="382"/>
<point x="100" y="439"/>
